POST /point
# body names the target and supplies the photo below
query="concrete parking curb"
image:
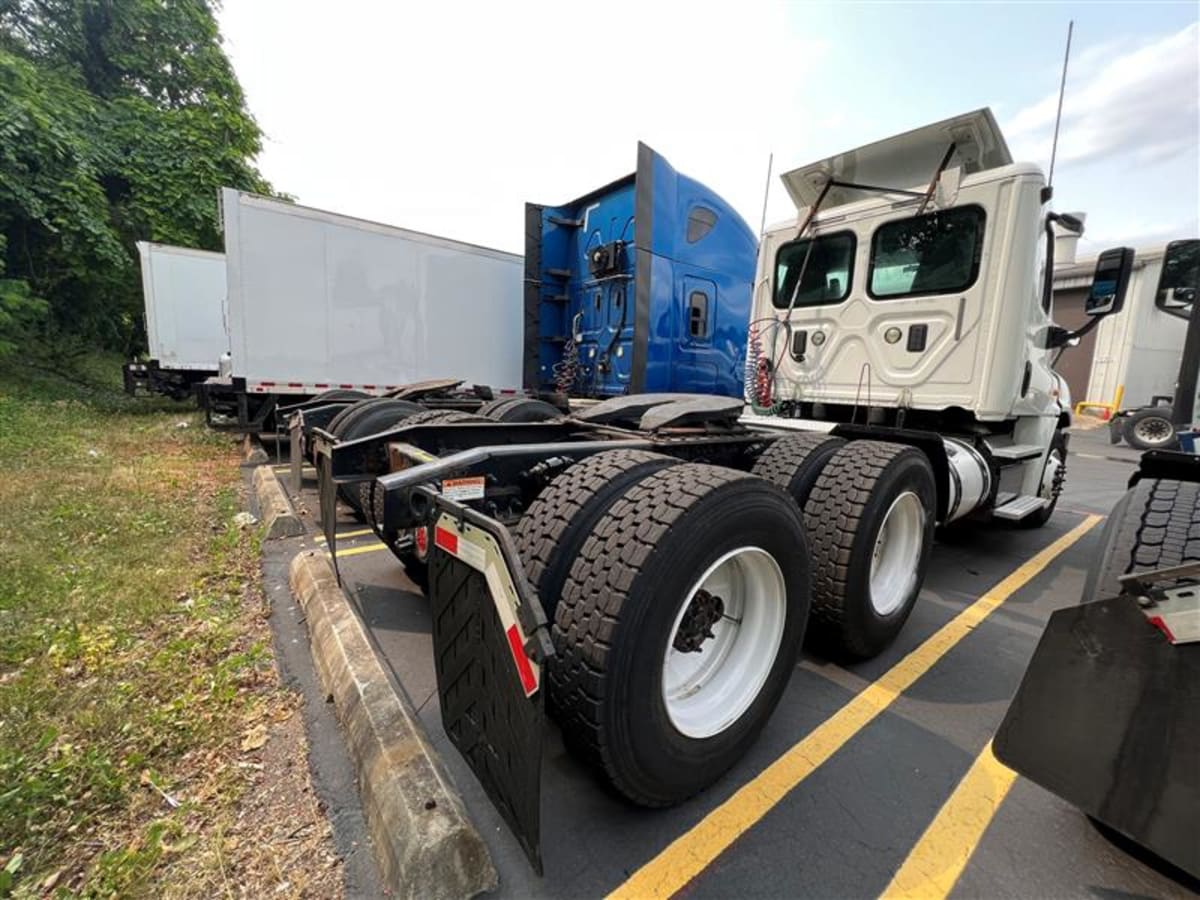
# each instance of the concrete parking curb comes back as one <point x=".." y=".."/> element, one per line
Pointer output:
<point x="253" y="452"/>
<point x="274" y="510"/>
<point x="424" y="841"/>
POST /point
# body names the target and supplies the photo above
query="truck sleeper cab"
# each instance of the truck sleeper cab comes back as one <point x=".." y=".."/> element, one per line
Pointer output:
<point x="640" y="286"/>
<point x="651" y="563"/>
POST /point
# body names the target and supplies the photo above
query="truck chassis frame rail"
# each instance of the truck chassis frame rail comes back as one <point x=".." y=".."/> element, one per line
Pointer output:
<point x="454" y="499"/>
<point x="150" y="377"/>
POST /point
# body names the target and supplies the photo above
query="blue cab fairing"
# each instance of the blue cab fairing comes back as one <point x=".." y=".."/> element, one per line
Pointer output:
<point x="641" y="286"/>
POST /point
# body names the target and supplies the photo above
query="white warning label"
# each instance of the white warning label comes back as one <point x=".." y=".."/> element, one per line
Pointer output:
<point x="461" y="489"/>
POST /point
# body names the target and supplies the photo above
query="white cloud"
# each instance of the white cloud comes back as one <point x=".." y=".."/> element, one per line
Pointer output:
<point x="1141" y="105"/>
<point x="447" y="117"/>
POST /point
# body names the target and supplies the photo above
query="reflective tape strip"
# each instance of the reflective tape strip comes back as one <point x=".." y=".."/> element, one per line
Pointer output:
<point x="524" y="669"/>
<point x="479" y="550"/>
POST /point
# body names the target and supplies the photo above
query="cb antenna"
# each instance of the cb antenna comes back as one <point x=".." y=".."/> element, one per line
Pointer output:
<point x="762" y="227"/>
<point x="1062" y="89"/>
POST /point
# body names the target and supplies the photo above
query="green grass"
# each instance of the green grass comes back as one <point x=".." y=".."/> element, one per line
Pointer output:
<point x="131" y="638"/>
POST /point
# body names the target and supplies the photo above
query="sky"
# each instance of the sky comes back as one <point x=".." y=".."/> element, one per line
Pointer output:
<point x="447" y="117"/>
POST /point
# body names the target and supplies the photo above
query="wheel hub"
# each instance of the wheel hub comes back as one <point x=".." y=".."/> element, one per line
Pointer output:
<point x="723" y="642"/>
<point x="705" y="611"/>
<point x="1152" y="429"/>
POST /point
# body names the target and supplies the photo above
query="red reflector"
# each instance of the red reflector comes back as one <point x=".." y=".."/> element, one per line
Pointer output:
<point x="295" y="384"/>
<point x="528" y="682"/>
<point x="269" y="383"/>
<point x="320" y="385"/>
<point x="421" y="539"/>
<point x="347" y="386"/>
<point x="446" y="539"/>
<point x="1158" y="623"/>
<point x="368" y="387"/>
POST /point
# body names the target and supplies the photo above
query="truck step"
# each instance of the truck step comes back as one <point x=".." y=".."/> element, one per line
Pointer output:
<point x="1016" y="452"/>
<point x="556" y="298"/>
<point x="566" y="223"/>
<point x="559" y="273"/>
<point x="1018" y="509"/>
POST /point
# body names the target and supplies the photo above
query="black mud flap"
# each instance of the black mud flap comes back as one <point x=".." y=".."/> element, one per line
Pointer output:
<point x="1108" y="718"/>
<point x="296" y="450"/>
<point x="484" y="707"/>
<point x="327" y="500"/>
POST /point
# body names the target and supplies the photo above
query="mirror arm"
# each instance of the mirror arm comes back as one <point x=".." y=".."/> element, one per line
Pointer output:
<point x="1061" y="337"/>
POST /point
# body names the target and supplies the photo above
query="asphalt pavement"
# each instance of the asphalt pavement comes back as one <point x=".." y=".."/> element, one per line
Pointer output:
<point x="869" y="778"/>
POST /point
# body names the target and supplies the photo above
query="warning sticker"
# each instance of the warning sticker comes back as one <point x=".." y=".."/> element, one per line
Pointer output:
<point x="461" y="489"/>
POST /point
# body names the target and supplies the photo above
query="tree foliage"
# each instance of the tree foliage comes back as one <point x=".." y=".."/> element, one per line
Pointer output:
<point x="119" y="121"/>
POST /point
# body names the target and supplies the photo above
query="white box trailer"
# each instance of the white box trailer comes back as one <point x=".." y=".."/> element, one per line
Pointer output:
<point x="184" y="292"/>
<point x="1133" y="360"/>
<point x="319" y="301"/>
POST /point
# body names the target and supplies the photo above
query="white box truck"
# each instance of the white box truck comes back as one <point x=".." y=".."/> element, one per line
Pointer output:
<point x="320" y="302"/>
<point x="184" y="292"/>
<point x="1133" y="361"/>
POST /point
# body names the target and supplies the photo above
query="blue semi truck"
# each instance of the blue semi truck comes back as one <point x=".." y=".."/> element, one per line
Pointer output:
<point x="640" y="286"/>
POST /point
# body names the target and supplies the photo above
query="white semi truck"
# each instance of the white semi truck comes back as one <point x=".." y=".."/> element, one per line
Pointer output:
<point x="650" y="565"/>
<point x="184" y="293"/>
<point x="323" y="304"/>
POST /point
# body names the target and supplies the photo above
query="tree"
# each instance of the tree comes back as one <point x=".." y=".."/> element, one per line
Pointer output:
<point x="119" y="121"/>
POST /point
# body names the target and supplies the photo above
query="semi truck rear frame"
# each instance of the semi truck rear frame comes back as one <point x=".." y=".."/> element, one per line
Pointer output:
<point x="651" y="564"/>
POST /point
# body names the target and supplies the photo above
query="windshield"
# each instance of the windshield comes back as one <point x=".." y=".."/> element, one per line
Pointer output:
<point x="936" y="253"/>
<point x="824" y="278"/>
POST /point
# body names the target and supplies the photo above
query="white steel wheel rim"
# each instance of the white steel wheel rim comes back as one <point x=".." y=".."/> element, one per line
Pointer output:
<point x="1053" y="464"/>
<point x="897" y="552"/>
<point x="706" y="691"/>
<point x="1152" y="430"/>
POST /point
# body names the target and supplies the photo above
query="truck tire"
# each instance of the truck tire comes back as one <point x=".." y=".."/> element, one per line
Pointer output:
<point x="372" y="417"/>
<point x="795" y="461"/>
<point x="518" y="409"/>
<point x="339" y="394"/>
<point x="444" y="416"/>
<point x="415" y="566"/>
<point x="1150" y="429"/>
<point x="553" y="529"/>
<point x="1058" y="458"/>
<point x="648" y="588"/>
<point x="351" y="411"/>
<point x="1155" y="525"/>
<point x="870" y="522"/>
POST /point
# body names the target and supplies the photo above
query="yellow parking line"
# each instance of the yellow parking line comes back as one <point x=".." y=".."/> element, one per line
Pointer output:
<point x="689" y="854"/>
<point x="370" y="548"/>
<point x="320" y="538"/>
<point x="939" y="857"/>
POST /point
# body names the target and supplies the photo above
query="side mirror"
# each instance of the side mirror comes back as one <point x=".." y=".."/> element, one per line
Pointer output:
<point x="1069" y="222"/>
<point x="1180" y="278"/>
<point x="1110" y="282"/>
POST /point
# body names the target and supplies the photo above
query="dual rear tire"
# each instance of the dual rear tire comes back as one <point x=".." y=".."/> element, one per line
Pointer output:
<point x="869" y="509"/>
<point x="679" y="594"/>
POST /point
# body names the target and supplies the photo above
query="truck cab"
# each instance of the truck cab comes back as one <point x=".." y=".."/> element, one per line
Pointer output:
<point x="917" y="298"/>
<point x="640" y="286"/>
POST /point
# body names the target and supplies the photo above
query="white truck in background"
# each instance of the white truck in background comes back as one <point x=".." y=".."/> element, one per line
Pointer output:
<point x="319" y="302"/>
<point x="184" y="293"/>
<point x="1135" y="354"/>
